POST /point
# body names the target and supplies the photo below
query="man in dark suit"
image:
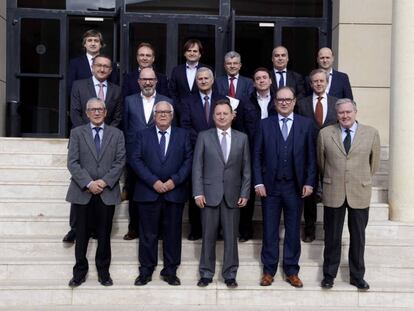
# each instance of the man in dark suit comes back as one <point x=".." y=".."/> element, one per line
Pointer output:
<point x="233" y="84"/>
<point x="320" y="107"/>
<point x="182" y="82"/>
<point x="338" y="82"/>
<point x="138" y="115"/>
<point x="284" y="168"/>
<point x="221" y="185"/>
<point x="82" y="90"/>
<point x="145" y="58"/>
<point x="281" y="76"/>
<point x="197" y="116"/>
<point x="96" y="158"/>
<point x="81" y="67"/>
<point x="161" y="159"/>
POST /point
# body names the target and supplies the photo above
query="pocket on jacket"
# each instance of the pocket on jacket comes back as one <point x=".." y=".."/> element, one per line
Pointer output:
<point x="327" y="180"/>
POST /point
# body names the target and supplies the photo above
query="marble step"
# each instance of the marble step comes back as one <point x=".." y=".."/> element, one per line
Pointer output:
<point x="33" y="145"/>
<point x="56" y="292"/>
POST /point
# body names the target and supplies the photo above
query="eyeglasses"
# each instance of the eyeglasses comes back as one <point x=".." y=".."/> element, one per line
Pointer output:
<point x="287" y="100"/>
<point x="102" y="66"/>
<point x="96" y="110"/>
<point x="163" y="111"/>
<point x="147" y="79"/>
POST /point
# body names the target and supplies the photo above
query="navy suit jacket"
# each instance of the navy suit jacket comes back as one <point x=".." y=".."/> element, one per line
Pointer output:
<point x="134" y="117"/>
<point x="340" y="86"/>
<point x="79" y="69"/>
<point x="304" y="107"/>
<point x="293" y="80"/>
<point x="130" y="84"/>
<point x="266" y="152"/>
<point x="82" y="91"/>
<point x="149" y="165"/>
<point x="243" y="89"/>
<point x="192" y="115"/>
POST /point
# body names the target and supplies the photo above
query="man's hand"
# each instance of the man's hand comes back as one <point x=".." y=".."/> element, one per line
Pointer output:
<point x="200" y="201"/>
<point x="169" y="185"/>
<point x="101" y="183"/>
<point x="306" y="191"/>
<point x="242" y="202"/>
<point x="159" y="186"/>
<point x="260" y="191"/>
<point x="95" y="187"/>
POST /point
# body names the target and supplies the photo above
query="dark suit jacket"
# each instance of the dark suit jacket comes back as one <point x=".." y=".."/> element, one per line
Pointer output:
<point x="304" y="107"/>
<point x="340" y="86"/>
<point x="244" y="86"/>
<point x="293" y="80"/>
<point x="83" y="90"/>
<point x="192" y="115"/>
<point x="130" y="84"/>
<point x="79" y="69"/>
<point x="85" y="165"/>
<point x="216" y="179"/>
<point x="266" y="152"/>
<point x="134" y="117"/>
<point x="148" y="165"/>
<point x="178" y="85"/>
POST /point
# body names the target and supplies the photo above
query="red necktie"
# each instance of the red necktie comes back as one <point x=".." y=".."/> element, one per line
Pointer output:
<point x="319" y="111"/>
<point x="232" y="90"/>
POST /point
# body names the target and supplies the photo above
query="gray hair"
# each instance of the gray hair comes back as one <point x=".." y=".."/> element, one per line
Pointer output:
<point x="319" y="70"/>
<point x="232" y="54"/>
<point x="154" y="108"/>
<point x="342" y="101"/>
<point x="205" y="69"/>
<point x="95" y="100"/>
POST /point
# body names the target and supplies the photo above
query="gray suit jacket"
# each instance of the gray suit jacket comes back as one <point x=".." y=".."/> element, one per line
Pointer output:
<point x="83" y="90"/>
<point x="85" y="165"/>
<point x="216" y="179"/>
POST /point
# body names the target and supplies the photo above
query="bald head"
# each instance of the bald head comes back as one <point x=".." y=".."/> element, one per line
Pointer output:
<point x="325" y="58"/>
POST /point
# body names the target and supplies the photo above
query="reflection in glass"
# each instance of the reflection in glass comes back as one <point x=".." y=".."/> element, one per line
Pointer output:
<point x="210" y="7"/>
<point x="83" y="5"/>
<point x="295" y="8"/>
<point x="39" y="43"/>
<point x="156" y="35"/>
<point x="40" y="105"/>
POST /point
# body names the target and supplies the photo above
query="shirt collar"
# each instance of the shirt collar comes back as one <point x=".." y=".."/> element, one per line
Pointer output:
<point x="263" y="97"/>
<point x="90" y="58"/>
<point x="236" y="77"/>
<point x="93" y="126"/>
<point x="353" y="128"/>
<point x="204" y="95"/>
<point x="97" y="82"/>
<point x="290" y="117"/>
<point x="276" y="70"/>
<point x="188" y="66"/>
<point x="219" y="131"/>
<point x="315" y="96"/>
<point x="168" y="130"/>
<point x="152" y="97"/>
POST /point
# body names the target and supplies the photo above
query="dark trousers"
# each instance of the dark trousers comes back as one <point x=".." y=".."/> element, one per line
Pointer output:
<point x="95" y="212"/>
<point x="211" y="218"/>
<point x="286" y="198"/>
<point x="132" y="205"/>
<point x="154" y="216"/>
<point x="333" y="220"/>
<point x="309" y="213"/>
<point x="246" y="217"/>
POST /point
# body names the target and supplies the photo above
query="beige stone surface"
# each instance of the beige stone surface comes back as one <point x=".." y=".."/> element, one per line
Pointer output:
<point x="365" y="54"/>
<point x="3" y="9"/>
<point x="373" y="109"/>
<point x="335" y="14"/>
<point x="365" y="12"/>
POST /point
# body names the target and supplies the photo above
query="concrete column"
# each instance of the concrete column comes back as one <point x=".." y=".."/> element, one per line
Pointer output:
<point x="401" y="181"/>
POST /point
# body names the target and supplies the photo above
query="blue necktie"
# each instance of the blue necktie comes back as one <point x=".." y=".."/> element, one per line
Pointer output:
<point x="285" y="128"/>
<point x="281" y="80"/>
<point x="162" y="143"/>
<point x="97" y="140"/>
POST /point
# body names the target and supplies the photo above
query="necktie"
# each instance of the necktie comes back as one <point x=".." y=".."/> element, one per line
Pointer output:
<point x="162" y="143"/>
<point x="347" y="140"/>
<point x="101" y="95"/>
<point x="97" y="140"/>
<point x="285" y="128"/>
<point x="232" y="89"/>
<point x="224" y="145"/>
<point x="319" y="111"/>
<point x="281" y="80"/>
<point x="207" y="108"/>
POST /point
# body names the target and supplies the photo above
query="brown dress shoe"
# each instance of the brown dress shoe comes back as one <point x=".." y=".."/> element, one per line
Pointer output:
<point x="294" y="281"/>
<point x="131" y="235"/>
<point x="266" y="280"/>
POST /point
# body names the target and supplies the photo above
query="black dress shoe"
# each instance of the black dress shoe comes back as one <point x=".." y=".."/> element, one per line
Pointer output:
<point x="308" y="238"/>
<point x="327" y="283"/>
<point x="131" y="235"/>
<point x="360" y="284"/>
<point x="194" y="236"/>
<point x="94" y="235"/>
<point x="171" y="280"/>
<point x="142" y="280"/>
<point x="75" y="283"/>
<point x="203" y="282"/>
<point x="106" y="282"/>
<point x="69" y="237"/>
<point x="244" y="238"/>
<point x="231" y="283"/>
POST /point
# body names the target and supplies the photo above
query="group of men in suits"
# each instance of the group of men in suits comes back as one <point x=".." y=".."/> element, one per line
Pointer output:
<point x="280" y="124"/>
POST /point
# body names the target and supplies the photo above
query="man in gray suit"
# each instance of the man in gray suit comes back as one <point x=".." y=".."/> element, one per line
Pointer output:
<point x="221" y="185"/>
<point x="96" y="158"/>
<point x="320" y="107"/>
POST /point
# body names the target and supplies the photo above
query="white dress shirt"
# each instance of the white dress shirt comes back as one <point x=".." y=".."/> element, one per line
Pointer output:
<point x="324" y="102"/>
<point x="328" y="87"/>
<point x="289" y="122"/>
<point x="148" y="105"/>
<point x="191" y="71"/>
<point x="277" y="75"/>
<point x="96" y="83"/>
<point x="263" y="102"/>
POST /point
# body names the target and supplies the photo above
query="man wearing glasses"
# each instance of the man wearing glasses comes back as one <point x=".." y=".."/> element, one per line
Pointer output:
<point x="96" y="86"/>
<point x="138" y="115"/>
<point x="161" y="159"/>
<point x="284" y="168"/>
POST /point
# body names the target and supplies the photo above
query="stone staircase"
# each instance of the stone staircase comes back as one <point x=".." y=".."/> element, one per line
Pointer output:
<point x="35" y="266"/>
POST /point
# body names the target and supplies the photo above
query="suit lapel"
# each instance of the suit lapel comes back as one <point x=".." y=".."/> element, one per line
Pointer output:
<point x="358" y="138"/>
<point x="107" y="136"/>
<point x="88" y="136"/>
<point x="337" y="138"/>
<point x="156" y="143"/>
<point x="140" y="109"/>
<point x="109" y="92"/>
<point x="216" y="143"/>
<point x="171" y="143"/>
<point x="91" y="88"/>
<point x="86" y="64"/>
